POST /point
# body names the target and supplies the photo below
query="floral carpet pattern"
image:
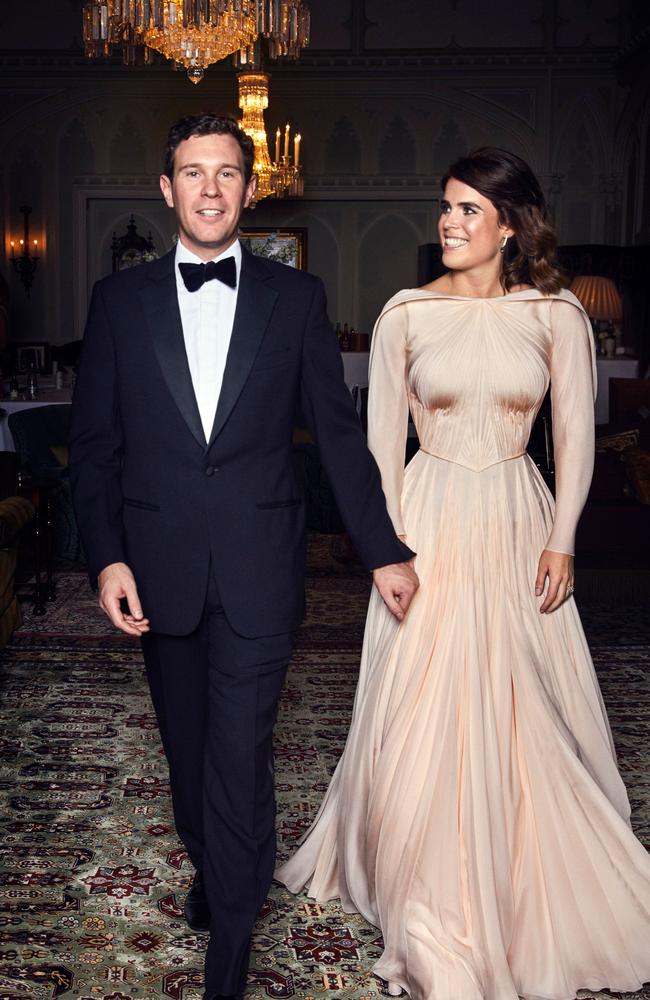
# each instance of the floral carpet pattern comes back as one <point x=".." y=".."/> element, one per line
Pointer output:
<point x="92" y="876"/>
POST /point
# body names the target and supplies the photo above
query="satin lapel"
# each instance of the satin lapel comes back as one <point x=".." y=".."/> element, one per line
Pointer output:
<point x="255" y="303"/>
<point x="160" y="304"/>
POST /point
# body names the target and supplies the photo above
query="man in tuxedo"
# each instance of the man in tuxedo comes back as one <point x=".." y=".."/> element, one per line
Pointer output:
<point x="192" y="369"/>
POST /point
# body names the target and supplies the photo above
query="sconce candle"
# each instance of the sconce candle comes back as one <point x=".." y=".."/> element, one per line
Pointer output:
<point x="25" y="264"/>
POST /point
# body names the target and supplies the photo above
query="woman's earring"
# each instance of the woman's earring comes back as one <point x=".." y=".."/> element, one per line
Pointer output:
<point x="502" y="248"/>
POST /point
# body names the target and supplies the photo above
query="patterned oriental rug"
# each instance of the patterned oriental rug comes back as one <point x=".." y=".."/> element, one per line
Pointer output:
<point x="92" y="877"/>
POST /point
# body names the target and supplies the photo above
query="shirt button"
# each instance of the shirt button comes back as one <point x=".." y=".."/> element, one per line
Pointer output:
<point x="210" y="470"/>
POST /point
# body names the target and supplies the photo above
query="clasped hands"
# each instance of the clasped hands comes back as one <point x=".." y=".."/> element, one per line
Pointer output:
<point x="396" y="584"/>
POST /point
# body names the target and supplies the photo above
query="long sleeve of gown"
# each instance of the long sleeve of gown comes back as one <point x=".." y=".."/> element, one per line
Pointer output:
<point x="388" y="406"/>
<point x="573" y="387"/>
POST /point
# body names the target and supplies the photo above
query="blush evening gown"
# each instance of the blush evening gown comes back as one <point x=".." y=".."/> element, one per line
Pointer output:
<point x="477" y="815"/>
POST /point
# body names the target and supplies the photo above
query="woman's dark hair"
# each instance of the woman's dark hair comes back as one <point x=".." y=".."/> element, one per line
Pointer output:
<point x="513" y="189"/>
<point x="208" y="123"/>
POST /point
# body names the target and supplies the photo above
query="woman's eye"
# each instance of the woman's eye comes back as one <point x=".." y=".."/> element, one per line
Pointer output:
<point x="445" y="209"/>
<point x="468" y="211"/>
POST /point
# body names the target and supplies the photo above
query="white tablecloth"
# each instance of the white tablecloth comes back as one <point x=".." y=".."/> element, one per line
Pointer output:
<point x="10" y="406"/>
<point x="355" y="367"/>
<point x="611" y="368"/>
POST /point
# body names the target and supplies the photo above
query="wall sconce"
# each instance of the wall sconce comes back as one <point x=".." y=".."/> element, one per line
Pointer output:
<point x="27" y="259"/>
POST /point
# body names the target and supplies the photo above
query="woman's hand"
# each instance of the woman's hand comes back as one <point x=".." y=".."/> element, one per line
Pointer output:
<point x="555" y="572"/>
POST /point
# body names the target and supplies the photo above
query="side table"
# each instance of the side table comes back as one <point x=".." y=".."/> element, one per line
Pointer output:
<point x="40" y="490"/>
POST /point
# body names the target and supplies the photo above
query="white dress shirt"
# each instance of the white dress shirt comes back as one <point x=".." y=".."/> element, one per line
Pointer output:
<point x="207" y="316"/>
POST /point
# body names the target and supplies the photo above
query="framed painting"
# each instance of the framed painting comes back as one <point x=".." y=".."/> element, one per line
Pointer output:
<point x="31" y="352"/>
<point x="287" y="246"/>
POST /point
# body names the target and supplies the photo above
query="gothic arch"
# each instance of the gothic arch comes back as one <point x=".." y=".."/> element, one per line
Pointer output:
<point x="387" y="261"/>
<point x="581" y="161"/>
<point x="75" y="149"/>
<point x="397" y="149"/>
<point x="343" y="149"/>
<point x="128" y="149"/>
<point x="581" y="117"/>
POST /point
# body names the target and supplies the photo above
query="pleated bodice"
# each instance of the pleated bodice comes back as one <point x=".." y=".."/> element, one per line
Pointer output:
<point x="473" y="373"/>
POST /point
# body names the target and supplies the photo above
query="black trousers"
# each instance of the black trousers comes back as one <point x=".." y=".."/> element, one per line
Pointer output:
<point x="216" y="695"/>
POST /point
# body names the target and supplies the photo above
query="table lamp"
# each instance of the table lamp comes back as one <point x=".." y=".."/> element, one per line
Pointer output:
<point x="602" y="302"/>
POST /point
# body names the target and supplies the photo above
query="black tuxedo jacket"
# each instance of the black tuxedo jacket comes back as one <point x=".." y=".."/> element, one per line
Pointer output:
<point x="149" y="490"/>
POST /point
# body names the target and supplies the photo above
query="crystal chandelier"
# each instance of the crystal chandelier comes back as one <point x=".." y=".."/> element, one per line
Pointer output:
<point x="194" y="33"/>
<point x="281" y="176"/>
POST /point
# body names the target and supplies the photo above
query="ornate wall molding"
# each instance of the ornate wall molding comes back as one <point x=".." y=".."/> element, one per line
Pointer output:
<point x="52" y="63"/>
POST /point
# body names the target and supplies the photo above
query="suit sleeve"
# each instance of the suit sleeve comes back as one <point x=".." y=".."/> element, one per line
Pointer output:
<point x="96" y="444"/>
<point x="573" y="389"/>
<point x="333" y="422"/>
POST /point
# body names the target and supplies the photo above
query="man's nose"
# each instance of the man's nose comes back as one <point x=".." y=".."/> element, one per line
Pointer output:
<point x="211" y="188"/>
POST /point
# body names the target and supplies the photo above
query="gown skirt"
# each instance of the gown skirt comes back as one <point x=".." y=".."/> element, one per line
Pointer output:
<point x="477" y="815"/>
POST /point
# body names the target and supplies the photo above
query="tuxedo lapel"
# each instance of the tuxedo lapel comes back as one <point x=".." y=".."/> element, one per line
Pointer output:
<point x="160" y="304"/>
<point x="255" y="303"/>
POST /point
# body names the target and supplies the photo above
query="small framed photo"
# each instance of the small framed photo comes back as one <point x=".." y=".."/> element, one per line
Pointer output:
<point x="287" y="246"/>
<point x="32" y="352"/>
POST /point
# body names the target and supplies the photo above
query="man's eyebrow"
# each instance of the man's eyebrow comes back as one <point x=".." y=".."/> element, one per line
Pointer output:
<point x="230" y="166"/>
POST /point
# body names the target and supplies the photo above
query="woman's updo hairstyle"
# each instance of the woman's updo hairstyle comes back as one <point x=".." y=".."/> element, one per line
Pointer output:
<point x="513" y="189"/>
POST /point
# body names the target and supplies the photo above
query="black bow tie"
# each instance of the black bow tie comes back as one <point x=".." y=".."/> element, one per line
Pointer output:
<point x="195" y="275"/>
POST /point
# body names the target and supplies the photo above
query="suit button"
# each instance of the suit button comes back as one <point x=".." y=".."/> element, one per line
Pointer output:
<point x="210" y="470"/>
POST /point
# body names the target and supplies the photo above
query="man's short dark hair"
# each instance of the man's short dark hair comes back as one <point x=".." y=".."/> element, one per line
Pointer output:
<point x="209" y="123"/>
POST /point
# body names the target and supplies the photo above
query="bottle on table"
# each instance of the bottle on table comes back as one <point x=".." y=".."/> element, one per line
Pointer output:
<point x="345" y="338"/>
<point x="14" y="387"/>
<point x="32" y="382"/>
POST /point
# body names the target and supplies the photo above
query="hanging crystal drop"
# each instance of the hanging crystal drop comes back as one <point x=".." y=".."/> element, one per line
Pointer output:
<point x="195" y="74"/>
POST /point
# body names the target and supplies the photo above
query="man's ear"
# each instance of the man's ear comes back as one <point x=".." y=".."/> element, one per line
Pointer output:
<point x="251" y="188"/>
<point x="166" y="188"/>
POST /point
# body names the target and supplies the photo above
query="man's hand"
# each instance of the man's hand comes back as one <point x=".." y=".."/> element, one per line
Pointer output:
<point x="397" y="584"/>
<point x="557" y="569"/>
<point x="116" y="582"/>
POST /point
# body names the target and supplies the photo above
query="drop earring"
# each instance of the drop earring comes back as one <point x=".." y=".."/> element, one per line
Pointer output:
<point x="502" y="248"/>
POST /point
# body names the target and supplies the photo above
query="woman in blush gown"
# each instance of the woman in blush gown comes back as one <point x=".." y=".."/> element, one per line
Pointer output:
<point x="477" y="815"/>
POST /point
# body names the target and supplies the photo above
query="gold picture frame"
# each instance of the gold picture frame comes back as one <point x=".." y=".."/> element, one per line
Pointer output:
<point x="287" y="246"/>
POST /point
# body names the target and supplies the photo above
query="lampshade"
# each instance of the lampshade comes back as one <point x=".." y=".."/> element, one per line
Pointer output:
<point x="599" y="297"/>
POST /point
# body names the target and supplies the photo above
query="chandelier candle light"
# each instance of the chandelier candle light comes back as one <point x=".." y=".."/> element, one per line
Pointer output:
<point x="279" y="177"/>
<point x="195" y="33"/>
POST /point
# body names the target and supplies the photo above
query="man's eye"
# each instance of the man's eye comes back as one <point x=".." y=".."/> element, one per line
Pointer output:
<point x="192" y="173"/>
<point x="226" y="173"/>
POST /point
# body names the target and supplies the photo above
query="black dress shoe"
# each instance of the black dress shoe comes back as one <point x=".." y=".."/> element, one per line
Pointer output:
<point x="223" y="996"/>
<point x="197" y="911"/>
